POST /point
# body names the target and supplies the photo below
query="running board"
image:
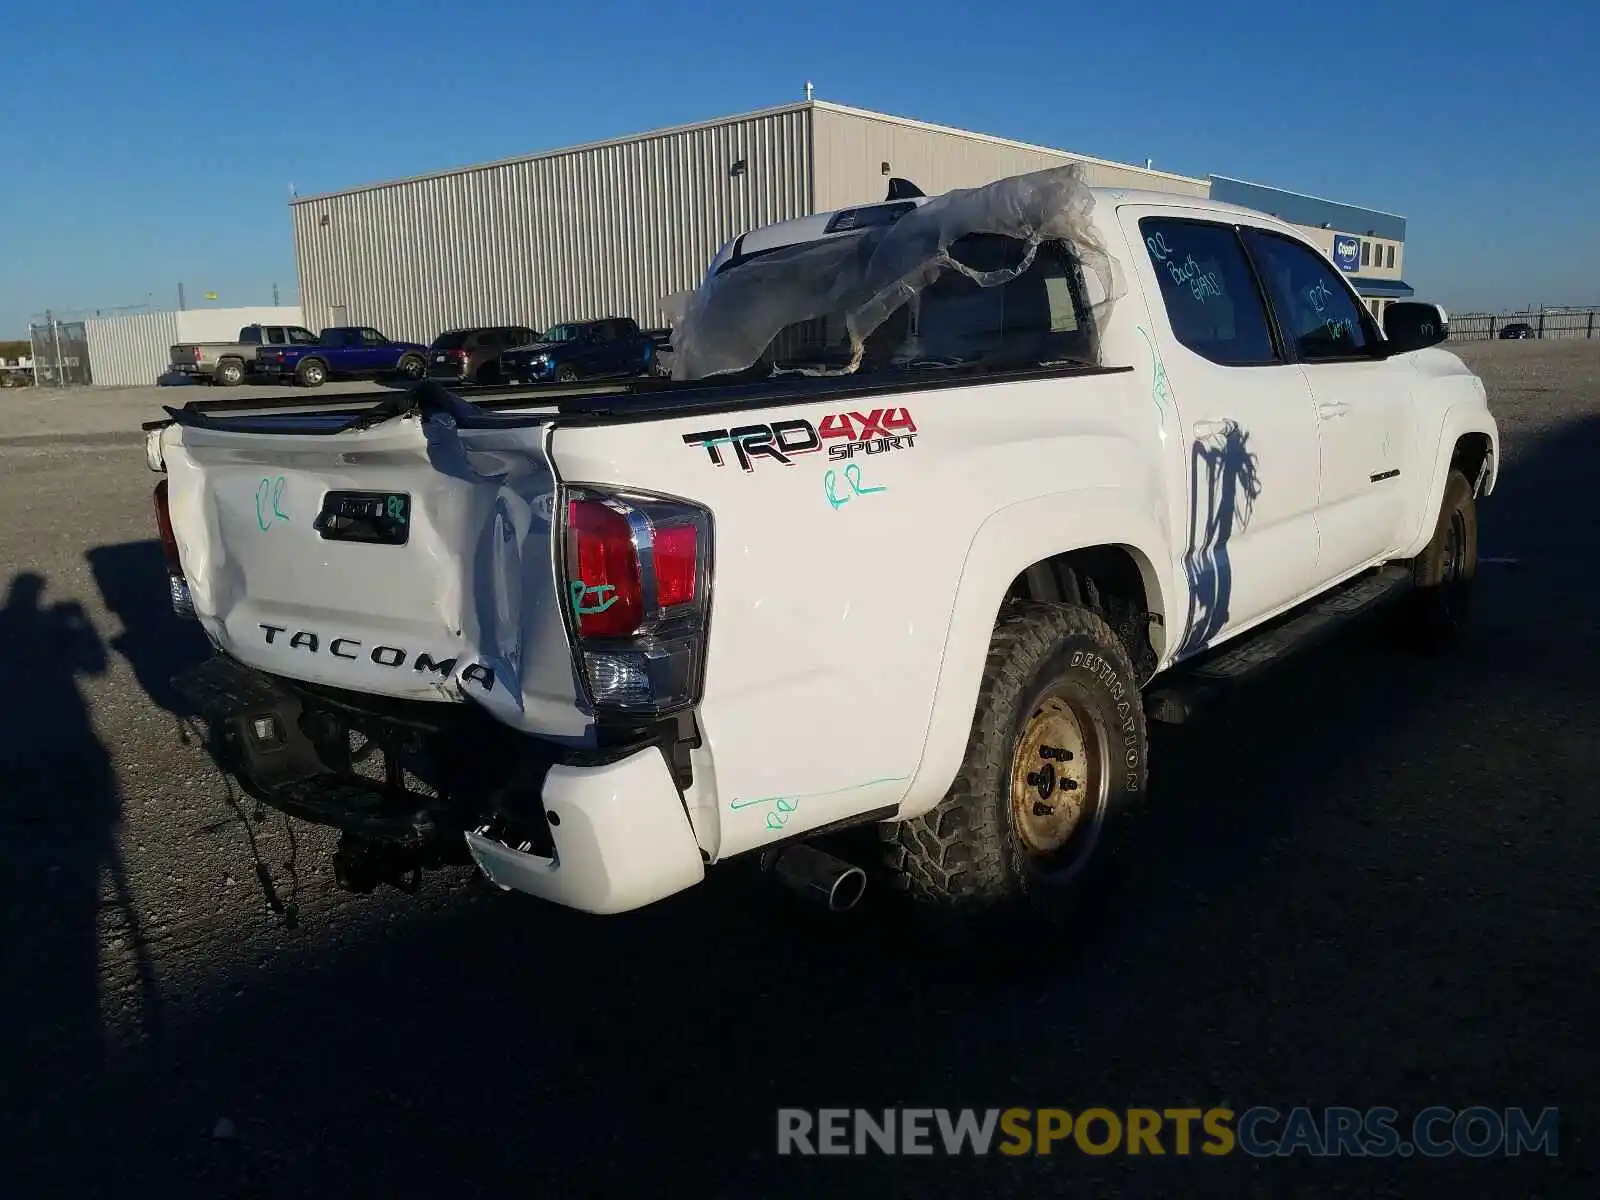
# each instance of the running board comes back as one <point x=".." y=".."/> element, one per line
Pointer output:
<point x="1177" y="697"/>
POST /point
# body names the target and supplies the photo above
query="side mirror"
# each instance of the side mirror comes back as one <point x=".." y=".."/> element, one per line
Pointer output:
<point x="1414" y="325"/>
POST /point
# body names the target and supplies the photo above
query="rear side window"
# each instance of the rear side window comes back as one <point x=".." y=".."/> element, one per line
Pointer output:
<point x="302" y="337"/>
<point x="1209" y="291"/>
<point x="275" y="336"/>
<point x="1037" y="317"/>
<point x="1316" y="311"/>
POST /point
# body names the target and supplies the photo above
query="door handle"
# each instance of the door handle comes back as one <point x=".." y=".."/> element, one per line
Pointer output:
<point x="1205" y="429"/>
<point x="1334" y="408"/>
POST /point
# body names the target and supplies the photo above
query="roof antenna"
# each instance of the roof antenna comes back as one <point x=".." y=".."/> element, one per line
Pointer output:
<point x="809" y="90"/>
<point x="903" y="189"/>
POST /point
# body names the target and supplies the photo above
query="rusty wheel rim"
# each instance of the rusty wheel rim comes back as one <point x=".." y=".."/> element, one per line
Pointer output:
<point x="1055" y="778"/>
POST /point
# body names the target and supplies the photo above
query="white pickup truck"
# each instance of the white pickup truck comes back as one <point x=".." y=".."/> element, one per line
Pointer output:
<point x="946" y="497"/>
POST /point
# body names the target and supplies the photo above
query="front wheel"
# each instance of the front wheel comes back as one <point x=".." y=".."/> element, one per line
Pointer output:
<point x="567" y="373"/>
<point x="1055" y="757"/>
<point x="1443" y="574"/>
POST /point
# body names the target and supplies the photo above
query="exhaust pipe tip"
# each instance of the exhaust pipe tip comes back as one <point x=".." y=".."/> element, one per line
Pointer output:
<point x="817" y="875"/>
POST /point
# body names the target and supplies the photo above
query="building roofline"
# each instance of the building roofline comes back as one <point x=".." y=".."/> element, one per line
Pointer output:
<point x="829" y="106"/>
<point x="712" y="122"/>
<point x="560" y="152"/>
<point x="1272" y="187"/>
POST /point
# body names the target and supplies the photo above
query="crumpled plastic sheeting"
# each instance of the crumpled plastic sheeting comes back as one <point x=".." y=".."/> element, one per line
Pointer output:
<point x="728" y="323"/>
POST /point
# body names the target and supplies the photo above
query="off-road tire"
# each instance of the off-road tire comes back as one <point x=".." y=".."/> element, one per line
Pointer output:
<point x="567" y="373"/>
<point x="230" y="373"/>
<point x="1435" y="614"/>
<point x="966" y="857"/>
<point x="311" y="373"/>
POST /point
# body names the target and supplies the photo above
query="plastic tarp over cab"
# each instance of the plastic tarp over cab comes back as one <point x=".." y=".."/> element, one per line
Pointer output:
<point x="865" y="276"/>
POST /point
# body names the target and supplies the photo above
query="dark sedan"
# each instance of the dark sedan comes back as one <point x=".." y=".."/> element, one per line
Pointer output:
<point x="472" y="355"/>
<point x="1516" y="331"/>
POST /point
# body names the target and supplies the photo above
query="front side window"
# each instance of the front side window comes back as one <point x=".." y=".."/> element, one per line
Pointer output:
<point x="1317" y="313"/>
<point x="1210" y="294"/>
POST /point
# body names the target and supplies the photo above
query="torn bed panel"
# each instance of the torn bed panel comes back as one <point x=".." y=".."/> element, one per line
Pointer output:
<point x="861" y="278"/>
<point x="410" y="560"/>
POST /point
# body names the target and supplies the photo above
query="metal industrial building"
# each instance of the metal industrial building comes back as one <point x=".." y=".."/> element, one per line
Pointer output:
<point x="615" y="227"/>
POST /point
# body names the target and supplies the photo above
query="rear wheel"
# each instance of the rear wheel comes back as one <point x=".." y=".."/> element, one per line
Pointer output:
<point x="412" y="367"/>
<point x="230" y="372"/>
<point x="1437" y="612"/>
<point x="1055" y="758"/>
<point x="311" y="373"/>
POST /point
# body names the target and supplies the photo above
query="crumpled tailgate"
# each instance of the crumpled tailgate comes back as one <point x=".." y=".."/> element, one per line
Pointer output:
<point x="412" y="559"/>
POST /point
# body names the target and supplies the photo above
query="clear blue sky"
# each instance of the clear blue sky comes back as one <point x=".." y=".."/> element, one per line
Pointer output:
<point x="154" y="142"/>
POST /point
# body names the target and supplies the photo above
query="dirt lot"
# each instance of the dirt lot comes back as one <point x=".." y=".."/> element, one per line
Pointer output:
<point x="1371" y="881"/>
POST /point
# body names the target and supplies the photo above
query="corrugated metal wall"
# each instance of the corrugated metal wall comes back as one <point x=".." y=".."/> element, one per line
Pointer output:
<point x="130" y="351"/>
<point x="223" y="324"/>
<point x="851" y="148"/>
<point x="604" y="230"/>
<point x="134" y="350"/>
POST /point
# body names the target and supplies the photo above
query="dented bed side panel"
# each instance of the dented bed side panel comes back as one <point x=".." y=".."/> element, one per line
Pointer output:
<point x="467" y="607"/>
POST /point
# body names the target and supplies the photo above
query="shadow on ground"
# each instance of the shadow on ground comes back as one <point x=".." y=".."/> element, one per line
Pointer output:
<point x="60" y="811"/>
<point x="1369" y="881"/>
<point x="155" y="641"/>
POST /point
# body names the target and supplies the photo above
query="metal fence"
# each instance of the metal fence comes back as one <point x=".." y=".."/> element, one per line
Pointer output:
<point x="1550" y="324"/>
<point x="60" y="352"/>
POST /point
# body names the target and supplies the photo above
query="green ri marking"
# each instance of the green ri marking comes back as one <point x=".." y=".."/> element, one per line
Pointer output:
<point x="580" y="589"/>
<point x="274" y="488"/>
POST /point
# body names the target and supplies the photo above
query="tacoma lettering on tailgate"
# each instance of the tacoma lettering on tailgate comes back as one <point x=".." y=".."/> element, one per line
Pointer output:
<point x="393" y="657"/>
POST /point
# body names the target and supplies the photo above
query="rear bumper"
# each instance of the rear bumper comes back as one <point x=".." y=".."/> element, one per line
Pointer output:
<point x="446" y="783"/>
<point x="620" y="839"/>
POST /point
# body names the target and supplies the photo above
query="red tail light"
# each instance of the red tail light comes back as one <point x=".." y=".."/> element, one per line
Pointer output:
<point x="605" y="589"/>
<point x="677" y="556"/>
<point x="637" y="584"/>
<point x="169" y="541"/>
<point x="177" y="585"/>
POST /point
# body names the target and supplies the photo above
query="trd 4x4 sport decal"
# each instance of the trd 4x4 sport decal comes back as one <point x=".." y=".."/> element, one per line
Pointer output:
<point x="853" y="433"/>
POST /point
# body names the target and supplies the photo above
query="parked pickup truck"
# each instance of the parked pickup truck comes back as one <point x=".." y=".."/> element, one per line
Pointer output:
<point x="349" y="352"/>
<point x="612" y="348"/>
<point x="228" y="363"/>
<point x="946" y="499"/>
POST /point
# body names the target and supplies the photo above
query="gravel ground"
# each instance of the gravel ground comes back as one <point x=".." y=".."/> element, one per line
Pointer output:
<point x="1384" y="896"/>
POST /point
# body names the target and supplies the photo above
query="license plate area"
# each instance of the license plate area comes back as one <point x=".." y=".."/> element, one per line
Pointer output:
<point x="371" y="518"/>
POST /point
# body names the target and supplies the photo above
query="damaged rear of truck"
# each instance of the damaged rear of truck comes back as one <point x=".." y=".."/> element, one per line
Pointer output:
<point x="594" y="644"/>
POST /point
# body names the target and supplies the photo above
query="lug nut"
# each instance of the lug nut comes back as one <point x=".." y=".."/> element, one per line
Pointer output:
<point x="1041" y="809"/>
<point x="1056" y="753"/>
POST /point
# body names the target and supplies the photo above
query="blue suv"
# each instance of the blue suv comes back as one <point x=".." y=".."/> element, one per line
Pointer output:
<point x="610" y="348"/>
